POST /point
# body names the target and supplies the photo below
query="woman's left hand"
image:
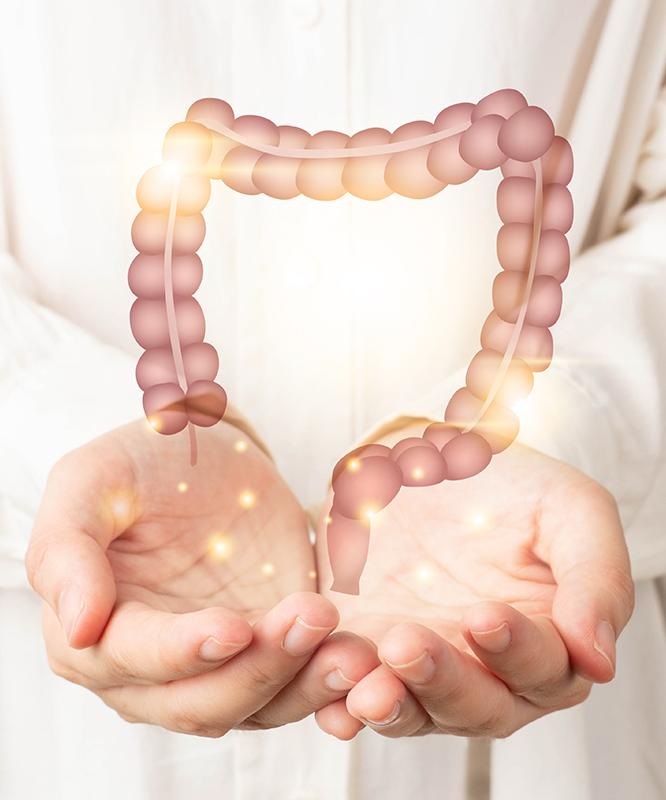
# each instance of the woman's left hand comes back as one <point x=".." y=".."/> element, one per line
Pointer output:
<point x="492" y="601"/>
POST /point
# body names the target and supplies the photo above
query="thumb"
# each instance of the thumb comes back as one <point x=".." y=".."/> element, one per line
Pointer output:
<point x="71" y="572"/>
<point x="595" y="594"/>
<point x="592" y="604"/>
<point x="66" y="561"/>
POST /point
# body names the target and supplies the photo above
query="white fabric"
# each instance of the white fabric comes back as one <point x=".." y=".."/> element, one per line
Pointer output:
<point x="361" y="307"/>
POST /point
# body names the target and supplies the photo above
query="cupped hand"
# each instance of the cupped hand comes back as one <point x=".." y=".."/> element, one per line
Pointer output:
<point x="493" y="601"/>
<point x="186" y="596"/>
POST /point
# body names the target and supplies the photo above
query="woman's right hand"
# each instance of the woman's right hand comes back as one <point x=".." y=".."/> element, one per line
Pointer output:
<point x="186" y="597"/>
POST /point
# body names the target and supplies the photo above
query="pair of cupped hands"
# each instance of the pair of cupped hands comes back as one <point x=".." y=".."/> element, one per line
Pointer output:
<point x="193" y="598"/>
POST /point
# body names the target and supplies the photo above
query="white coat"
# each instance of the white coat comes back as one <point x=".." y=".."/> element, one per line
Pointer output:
<point x="330" y="317"/>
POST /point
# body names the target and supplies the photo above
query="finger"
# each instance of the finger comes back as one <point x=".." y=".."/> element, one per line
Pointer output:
<point x="211" y="704"/>
<point x="142" y="645"/>
<point x="528" y="655"/>
<point x="381" y="702"/>
<point x="584" y="544"/>
<point x="336" y="667"/>
<point x="66" y="561"/>
<point x="337" y="721"/>
<point x="458" y="693"/>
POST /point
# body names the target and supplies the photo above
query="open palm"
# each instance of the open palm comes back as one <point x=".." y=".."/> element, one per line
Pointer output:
<point x="530" y="552"/>
<point x="185" y="596"/>
<point x="227" y="532"/>
<point x="435" y="551"/>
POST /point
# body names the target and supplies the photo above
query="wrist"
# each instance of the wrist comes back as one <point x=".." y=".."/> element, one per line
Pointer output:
<point x="393" y="430"/>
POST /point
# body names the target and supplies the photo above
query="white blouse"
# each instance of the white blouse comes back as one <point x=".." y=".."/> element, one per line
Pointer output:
<point x="330" y="318"/>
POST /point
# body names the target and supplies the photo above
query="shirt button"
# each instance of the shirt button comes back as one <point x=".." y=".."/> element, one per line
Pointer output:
<point x="305" y="13"/>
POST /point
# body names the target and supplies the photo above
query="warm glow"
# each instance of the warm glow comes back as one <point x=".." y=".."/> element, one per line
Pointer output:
<point x="172" y="168"/>
<point x="240" y="446"/>
<point x="424" y="573"/>
<point x="154" y="423"/>
<point x="417" y="473"/>
<point x="527" y="413"/>
<point x="247" y="499"/>
<point x="220" y="547"/>
<point x="369" y="512"/>
<point x="268" y="569"/>
<point x="478" y="520"/>
<point x="121" y="505"/>
<point x="354" y="465"/>
<point x="182" y="487"/>
<point x="329" y="519"/>
<point x="312" y="574"/>
<point x="519" y="406"/>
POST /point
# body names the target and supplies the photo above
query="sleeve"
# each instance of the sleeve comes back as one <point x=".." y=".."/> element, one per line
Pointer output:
<point x="601" y="405"/>
<point x="59" y="388"/>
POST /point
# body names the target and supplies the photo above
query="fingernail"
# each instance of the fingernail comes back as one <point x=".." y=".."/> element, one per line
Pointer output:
<point x="496" y="640"/>
<point x="604" y="642"/>
<point x="419" y="670"/>
<point x="301" y="638"/>
<point x="213" y="649"/>
<point x="392" y="717"/>
<point x="337" y="681"/>
<point x="70" y="607"/>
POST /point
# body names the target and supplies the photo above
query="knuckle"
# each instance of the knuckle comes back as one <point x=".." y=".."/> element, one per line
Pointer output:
<point x="297" y="705"/>
<point x="183" y="716"/>
<point x="114" y="700"/>
<point x="501" y="732"/>
<point x="534" y="684"/>
<point x="62" y="670"/>
<point x="576" y="696"/>
<point x="121" y="665"/>
<point x="625" y="589"/>
<point x="127" y="716"/>
<point x="35" y="558"/>
<point x="494" y="723"/>
<point x="269" y="682"/>
<point x="454" y="690"/>
<point x="170" y="662"/>
<point x="184" y="721"/>
<point x="299" y="696"/>
<point x="256" y="722"/>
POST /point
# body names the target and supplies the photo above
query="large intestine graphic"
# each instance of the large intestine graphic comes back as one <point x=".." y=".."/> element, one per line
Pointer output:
<point x="252" y="155"/>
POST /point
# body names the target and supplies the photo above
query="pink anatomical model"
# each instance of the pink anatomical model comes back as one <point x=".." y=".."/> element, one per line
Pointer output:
<point x="252" y="155"/>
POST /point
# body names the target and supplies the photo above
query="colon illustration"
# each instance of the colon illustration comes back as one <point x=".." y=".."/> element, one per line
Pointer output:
<point x="252" y="155"/>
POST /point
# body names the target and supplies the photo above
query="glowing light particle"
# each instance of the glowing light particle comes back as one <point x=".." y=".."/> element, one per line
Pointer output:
<point x="268" y="569"/>
<point x="312" y="574"/>
<point x="354" y="465"/>
<point x="329" y="519"/>
<point x="240" y="446"/>
<point x="369" y="512"/>
<point x="154" y="423"/>
<point x="220" y="547"/>
<point x="478" y="520"/>
<point x="424" y="573"/>
<point x="121" y="506"/>
<point x="247" y="499"/>
<point x="182" y="487"/>
<point x="417" y="473"/>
